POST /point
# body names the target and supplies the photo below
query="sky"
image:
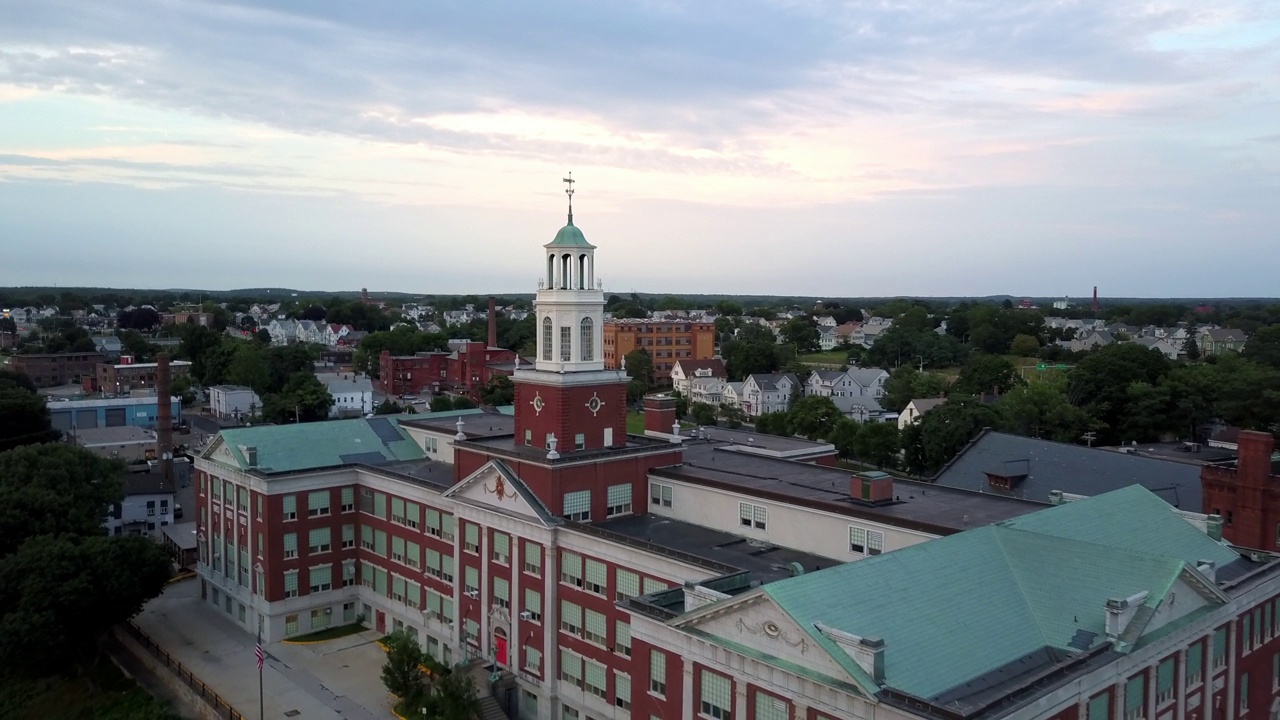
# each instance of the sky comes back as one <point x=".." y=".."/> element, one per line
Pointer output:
<point x="793" y="147"/>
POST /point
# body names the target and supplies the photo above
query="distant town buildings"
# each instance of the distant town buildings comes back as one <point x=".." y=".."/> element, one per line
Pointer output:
<point x="666" y="341"/>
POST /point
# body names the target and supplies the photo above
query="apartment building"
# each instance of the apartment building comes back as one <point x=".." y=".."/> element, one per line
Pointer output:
<point x="665" y="340"/>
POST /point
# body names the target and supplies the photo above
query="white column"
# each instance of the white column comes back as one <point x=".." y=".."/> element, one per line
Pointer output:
<point x="550" y="625"/>
<point x="686" y="688"/>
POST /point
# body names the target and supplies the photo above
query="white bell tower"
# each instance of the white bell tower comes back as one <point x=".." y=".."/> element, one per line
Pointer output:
<point x="570" y="303"/>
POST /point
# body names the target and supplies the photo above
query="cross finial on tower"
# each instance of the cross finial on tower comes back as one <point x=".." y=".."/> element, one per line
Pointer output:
<point x="569" y="191"/>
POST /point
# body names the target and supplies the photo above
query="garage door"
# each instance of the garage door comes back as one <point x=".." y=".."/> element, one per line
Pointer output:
<point x="86" y="419"/>
<point x="61" y="420"/>
<point x="115" y="417"/>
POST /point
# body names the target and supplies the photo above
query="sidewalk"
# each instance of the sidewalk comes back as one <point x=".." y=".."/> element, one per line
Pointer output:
<point x="329" y="680"/>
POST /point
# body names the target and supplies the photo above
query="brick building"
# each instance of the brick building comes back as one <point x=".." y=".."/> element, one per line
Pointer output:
<point x="53" y="369"/>
<point x="424" y="372"/>
<point x="667" y="341"/>
<point x="1246" y="493"/>
<point x="607" y="575"/>
<point x="127" y="376"/>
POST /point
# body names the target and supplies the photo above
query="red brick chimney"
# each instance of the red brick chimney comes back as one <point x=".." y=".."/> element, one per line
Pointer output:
<point x="164" y="416"/>
<point x="493" y="323"/>
<point x="659" y="413"/>
<point x="1254" y="464"/>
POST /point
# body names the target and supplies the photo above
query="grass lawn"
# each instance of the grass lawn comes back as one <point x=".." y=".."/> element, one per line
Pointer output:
<point x="332" y="633"/>
<point x="635" y="423"/>
<point x="105" y="695"/>
<point x="830" y="357"/>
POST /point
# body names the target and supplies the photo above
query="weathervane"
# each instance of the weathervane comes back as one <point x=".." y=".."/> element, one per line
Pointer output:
<point x="569" y="191"/>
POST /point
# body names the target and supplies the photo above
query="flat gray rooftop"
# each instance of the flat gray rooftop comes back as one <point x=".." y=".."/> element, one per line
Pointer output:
<point x="765" y="561"/>
<point x="119" y="435"/>
<point x="755" y="440"/>
<point x="923" y="506"/>
<point x="475" y="425"/>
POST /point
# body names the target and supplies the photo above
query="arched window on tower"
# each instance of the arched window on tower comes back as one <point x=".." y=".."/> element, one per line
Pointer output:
<point x="546" y="339"/>
<point x="582" y="271"/>
<point x="566" y="272"/>
<point x="587" y="341"/>
<point x="551" y="272"/>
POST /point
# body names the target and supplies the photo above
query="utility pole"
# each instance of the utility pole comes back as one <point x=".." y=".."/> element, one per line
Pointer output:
<point x="1089" y="437"/>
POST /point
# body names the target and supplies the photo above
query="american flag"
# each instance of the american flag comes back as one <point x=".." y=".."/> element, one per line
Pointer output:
<point x="257" y="651"/>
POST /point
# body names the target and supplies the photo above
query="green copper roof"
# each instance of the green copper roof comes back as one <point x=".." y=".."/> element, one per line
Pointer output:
<point x="306" y="446"/>
<point x="956" y="608"/>
<point x="570" y="237"/>
<point x="1113" y="522"/>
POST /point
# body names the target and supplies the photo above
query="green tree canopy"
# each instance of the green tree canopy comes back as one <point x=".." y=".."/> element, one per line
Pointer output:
<point x="1025" y="345"/>
<point x="62" y="593"/>
<point x="403" y="340"/>
<point x="906" y="383"/>
<point x="942" y="432"/>
<point x="402" y="671"/>
<point x="499" y="390"/>
<point x="878" y="444"/>
<point x="640" y="369"/>
<point x="54" y="489"/>
<point x="1264" y="346"/>
<point x="814" y="417"/>
<point x="986" y="374"/>
<point x="302" y="399"/>
<point x="24" y="415"/>
<point x="801" y="332"/>
<point x="1100" y="382"/>
<point x="1041" y="410"/>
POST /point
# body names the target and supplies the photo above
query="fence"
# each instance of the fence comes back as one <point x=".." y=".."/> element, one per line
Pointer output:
<point x="221" y="708"/>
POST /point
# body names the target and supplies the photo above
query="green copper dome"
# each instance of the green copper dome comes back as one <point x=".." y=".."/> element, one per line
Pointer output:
<point x="570" y="237"/>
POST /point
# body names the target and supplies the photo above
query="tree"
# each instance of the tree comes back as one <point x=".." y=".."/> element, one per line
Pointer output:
<point x="302" y="399"/>
<point x="402" y="671"/>
<point x="801" y="332"/>
<point x="181" y="386"/>
<point x="774" y="423"/>
<point x="752" y="350"/>
<point x="814" y="417"/>
<point x="703" y="414"/>
<point x="63" y="582"/>
<point x="8" y="325"/>
<point x="450" y="696"/>
<point x="24" y="415"/>
<point x="877" y="443"/>
<point x="61" y="594"/>
<point x="142" y="318"/>
<point x="403" y="340"/>
<point x="906" y="384"/>
<point x="248" y="367"/>
<point x="314" y="313"/>
<point x="54" y="489"/>
<point x="729" y="308"/>
<point x="499" y="390"/>
<point x="389" y="407"/>
<point x="16" y="379"/>
<point x="136" y="345"/>
<point x="1100" y="382"/>
<point x="942" y="432"/>
<point x="732" y="415"/>
<point x="844" y="436"/>
<point x="640" y="369"/>
<point x="1041" y="410"/>
<point x="986" y="374"/>
<point x="1025" y="345"/>
<point x="1263" y="347"/>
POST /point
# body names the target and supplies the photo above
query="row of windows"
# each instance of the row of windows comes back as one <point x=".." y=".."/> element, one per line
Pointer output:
<point x="586" y="340"/>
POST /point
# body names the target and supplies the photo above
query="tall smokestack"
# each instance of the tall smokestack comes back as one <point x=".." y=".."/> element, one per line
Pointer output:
<point x="1095" y="298"/>
<point x="493" y="323"/>
<point x="164" y="416"/>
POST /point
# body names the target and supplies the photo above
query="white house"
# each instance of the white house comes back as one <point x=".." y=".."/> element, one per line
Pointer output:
<point x="766" y="393"/>
<point x="352" y="394"/>
<point x="309" y="331"/>
<point x="916" y="409"/>
<point x="334" y="334"/>
<point x="233" y="401"/>
<point x="1166" y="348"/>
<point x="147" y="506"/>
<point x="684" y="371"/>
<point x="856" y="391"/>
<point x="282" y="332"/>
<point x="731" y="394"/>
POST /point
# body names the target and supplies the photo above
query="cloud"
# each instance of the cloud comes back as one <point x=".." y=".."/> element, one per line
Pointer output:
<point x="846" y="109"/>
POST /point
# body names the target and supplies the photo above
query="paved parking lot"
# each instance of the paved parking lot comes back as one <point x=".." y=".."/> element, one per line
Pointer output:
<point x="329" y="680"/>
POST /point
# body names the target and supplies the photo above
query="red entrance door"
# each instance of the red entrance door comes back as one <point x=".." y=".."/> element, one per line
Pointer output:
<point x="500" y="649"/>
<point x="382" y="621"/>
